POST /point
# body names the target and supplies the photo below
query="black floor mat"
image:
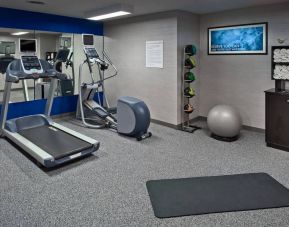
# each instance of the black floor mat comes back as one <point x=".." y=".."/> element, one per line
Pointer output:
<point x="203" y="195"/>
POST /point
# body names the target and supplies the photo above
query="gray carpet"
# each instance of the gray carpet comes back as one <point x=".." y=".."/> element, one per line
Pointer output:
<point x="109" y="189"/>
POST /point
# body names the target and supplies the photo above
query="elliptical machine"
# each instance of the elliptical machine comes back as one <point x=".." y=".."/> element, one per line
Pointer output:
<point x="66" y="86"/>
<point x="133" y="115"/>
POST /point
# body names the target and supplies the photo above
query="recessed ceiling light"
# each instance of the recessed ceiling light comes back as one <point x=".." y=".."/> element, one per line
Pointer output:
<point x="109" y="12"/>
<point x="109" y="15"/>
<point x="19" y="33"/>
<point x="36" y="2"/>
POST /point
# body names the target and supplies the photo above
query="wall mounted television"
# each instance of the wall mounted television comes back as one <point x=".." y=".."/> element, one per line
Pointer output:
<point x="28" y="45"/>
<point x="87" y="40"/>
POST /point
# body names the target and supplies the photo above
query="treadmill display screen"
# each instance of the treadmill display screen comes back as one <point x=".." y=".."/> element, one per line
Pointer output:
<point x="31" y="63"/>
<point x="91" y="53"/>
<point x="87" y="40"/>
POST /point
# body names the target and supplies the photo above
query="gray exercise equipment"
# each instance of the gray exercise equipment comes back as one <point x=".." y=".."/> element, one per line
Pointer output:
<point x="133" y="115"/>
<point x="64" y="58"/>
<point x="49" y="143"/>
<point x="225" y="122"/>
<point x="65" y="86"/>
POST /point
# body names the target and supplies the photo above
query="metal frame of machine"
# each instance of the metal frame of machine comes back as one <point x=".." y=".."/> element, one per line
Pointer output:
<point x="133" y="119"/>
<point x="7" y="127"/>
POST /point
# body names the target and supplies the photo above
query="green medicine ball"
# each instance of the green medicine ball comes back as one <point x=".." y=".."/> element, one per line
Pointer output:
<point x="190" y="62"/>
<point x="189" y="77"/>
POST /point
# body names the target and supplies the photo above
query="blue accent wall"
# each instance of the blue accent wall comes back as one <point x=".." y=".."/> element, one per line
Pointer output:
<point x="61" y="105"/>
<point x="12" y="18"/>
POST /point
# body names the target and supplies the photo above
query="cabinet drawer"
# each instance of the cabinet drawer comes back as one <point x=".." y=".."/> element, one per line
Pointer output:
<point x="277" y="119"/>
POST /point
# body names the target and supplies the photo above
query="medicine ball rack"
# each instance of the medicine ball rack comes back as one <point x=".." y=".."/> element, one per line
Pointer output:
<point x="188" y="63"/>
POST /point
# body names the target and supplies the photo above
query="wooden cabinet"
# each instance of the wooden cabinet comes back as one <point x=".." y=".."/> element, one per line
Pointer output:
<point x="277" y="119"/>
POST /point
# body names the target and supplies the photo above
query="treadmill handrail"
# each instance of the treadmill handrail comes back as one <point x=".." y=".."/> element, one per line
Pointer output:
<point x="15" y="75"/>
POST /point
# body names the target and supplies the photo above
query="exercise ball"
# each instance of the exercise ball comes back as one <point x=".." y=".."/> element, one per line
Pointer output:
<point x="224" y="121"/>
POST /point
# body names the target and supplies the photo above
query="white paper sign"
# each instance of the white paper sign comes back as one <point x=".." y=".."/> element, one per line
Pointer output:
<point x="155" y="54"/>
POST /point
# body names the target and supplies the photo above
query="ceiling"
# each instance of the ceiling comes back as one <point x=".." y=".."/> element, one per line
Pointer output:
<point x="76" y="8"/>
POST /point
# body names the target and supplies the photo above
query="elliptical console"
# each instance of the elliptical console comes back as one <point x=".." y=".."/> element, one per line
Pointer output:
<point x="31" y="65"/>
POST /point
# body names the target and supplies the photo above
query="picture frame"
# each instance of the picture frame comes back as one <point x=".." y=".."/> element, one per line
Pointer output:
<point x="242" y="39"/>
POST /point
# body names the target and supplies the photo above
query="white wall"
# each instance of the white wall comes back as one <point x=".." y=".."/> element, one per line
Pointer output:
<point x="125" y="42"/>
<point x="238" y="80"/>
<point x="241" y="80"/>
<point x="159" y="88"/>
<point x="46" y="43"/>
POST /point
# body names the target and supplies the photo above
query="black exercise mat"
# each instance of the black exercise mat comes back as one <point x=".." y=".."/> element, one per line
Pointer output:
<point x="203" y="195"/>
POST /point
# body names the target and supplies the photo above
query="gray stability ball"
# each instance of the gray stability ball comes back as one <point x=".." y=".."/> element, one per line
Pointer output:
<point x="224" y="121"/>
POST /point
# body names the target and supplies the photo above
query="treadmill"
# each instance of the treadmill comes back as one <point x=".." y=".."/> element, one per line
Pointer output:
<point x="51" y="144"/>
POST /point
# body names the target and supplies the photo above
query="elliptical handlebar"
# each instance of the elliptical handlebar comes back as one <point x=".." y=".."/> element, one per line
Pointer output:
<point x="111" y="63"/>
<point x="69" y="62"/>
<point x="92" y="57"/>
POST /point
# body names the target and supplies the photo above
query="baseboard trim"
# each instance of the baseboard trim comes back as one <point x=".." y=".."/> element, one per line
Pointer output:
<point x="253" y="129"/>
<point x="246" y="127"/>
<point x="164" y="124"/>
<point x="202" y="118"/>
<point x="179" y="126"/>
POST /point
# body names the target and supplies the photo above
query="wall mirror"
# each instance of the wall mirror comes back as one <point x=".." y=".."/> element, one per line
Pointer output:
<point x="63" y="50"/>
<point x="58" y="50"/>
<point x="9" y="50"/>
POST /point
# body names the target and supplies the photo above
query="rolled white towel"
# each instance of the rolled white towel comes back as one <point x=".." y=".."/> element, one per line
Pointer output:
<point x="281" y="55"/>
<point x="281" y="72"/>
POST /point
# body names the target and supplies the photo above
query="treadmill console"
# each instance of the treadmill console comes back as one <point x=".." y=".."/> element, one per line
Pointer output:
<point x="91" y="52"/>
<point x="31" y="65"/>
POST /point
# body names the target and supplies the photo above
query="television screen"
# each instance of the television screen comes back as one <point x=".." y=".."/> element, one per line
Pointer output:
<point x="87" y="40"/>
<point x="28" y="45"/>
<point x="7" y="47"/>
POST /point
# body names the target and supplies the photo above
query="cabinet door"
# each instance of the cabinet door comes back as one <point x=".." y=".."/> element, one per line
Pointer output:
<point x="277" y="119"/>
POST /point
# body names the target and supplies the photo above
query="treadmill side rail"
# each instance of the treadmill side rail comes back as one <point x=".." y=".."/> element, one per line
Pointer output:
<point x="36" y="152"/>
<point x="76" y="134"/>
<point x="16" y="129"/>
<point x="43" y="157"/>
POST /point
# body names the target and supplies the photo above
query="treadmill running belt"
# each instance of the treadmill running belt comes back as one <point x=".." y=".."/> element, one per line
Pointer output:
<point x="54" y="141"/>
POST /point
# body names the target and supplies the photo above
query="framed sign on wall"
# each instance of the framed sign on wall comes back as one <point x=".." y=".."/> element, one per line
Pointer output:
<point x="238" y="39"/>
